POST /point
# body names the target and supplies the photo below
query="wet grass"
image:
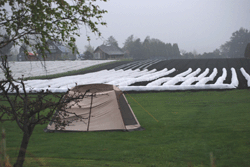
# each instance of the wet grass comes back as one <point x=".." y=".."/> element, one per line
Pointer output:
<point x="191" y="126"/>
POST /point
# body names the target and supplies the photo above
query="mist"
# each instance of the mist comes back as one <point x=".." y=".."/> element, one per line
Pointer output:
<point x="202" y="26"/>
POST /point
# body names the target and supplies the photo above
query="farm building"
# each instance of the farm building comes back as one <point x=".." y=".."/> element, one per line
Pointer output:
<point x="108" y="52"/>
<point x="59" y="52"/>
<point x="30" y="57"/>
<point x="23" y="56"/>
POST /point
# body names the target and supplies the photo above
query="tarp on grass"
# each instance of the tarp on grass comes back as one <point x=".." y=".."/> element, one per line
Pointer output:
<point x="103" y="108"/>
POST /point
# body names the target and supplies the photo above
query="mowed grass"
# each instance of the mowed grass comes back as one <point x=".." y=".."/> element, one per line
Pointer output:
<point x="191" y="125"/>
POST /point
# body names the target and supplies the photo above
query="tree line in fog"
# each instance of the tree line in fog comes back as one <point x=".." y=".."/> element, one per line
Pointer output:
<point x="155" y="48"/>
<point x="150" y="48"/>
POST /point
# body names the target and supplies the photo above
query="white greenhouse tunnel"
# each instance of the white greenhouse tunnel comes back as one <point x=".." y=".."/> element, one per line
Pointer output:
<point x="158" y="80"/>
<point x="246" y="75"/>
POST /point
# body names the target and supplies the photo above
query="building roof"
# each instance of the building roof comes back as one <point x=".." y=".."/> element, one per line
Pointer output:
<point x="110" y="50"/>
<point x="62" y="48"/>
<point x="30" y="54"/>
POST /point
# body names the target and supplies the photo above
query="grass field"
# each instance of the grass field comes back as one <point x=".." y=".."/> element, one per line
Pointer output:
<point x="191" y="125"/>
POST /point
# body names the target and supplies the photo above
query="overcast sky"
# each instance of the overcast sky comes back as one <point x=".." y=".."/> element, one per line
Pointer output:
<point x="202" y="25"/>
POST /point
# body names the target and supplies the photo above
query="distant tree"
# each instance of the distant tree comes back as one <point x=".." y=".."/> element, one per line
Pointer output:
<point x="147" y="48"/>
<point x="217" y="53"/>
<point x="247" y="51"/>
<point x="176" y="51"/>
<point x="112" y="41"/>
<point x="8" y="49"/>
<point x="158" y="49"/>
<point x="195" y="53"/>
<point x="127" y="46"/>
<point x="188" y="55"/>
<point x="5" y="48"/>
<point x="89" y="48"/>
<point x="169" y="50"/>
<point x="13" y="54"/>
<point x="73" y="51"/>
<point x="225" y="49"/>
<point x="162" y="52"/>
<point x="182" y="52"/>
<point x="210" y="55"/>
<point x="150" y="48"/>
<point x="137" y="50"/>
<point x="88" y="55"/>
<point x="236" y="46"/>
<point x="155" y="48"/>
<point x="23" y="52"/>
<point x="133" y="47"/>
<point x="128" y="42"/>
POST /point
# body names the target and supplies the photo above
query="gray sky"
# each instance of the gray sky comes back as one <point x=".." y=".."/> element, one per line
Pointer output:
<point x="202" y="25"/>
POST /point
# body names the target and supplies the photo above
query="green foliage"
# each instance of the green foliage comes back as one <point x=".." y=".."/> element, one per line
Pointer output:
<point x="128" y="42"/>
<point x="176" y="51"/>
<point x="191" y="126"/>
<point x="247" y="51"/>
<point x="235" y="48"/>
<point x="34" y="22"/>
<point x="137" y="49"/>
<point x="5" y="48"/>
<point x="150" y="48"/>
<point x="169" y="50"/>
<point x="89" y="48"/>
<point x="112" y="41"/>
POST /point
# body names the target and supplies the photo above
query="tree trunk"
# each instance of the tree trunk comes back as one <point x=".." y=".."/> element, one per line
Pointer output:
<point x="22" y="151"/>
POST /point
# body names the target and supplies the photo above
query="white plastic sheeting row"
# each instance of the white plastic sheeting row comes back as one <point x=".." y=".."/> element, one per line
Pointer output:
<point x="158" y="80"/>
<point x="139" y="64"/>
<point x="188" y="80"/>
<point x="36" y="68"/>
<point x="246" y="75"/>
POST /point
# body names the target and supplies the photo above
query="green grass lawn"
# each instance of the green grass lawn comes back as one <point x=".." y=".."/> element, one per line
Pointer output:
<point x="191" y="125"/>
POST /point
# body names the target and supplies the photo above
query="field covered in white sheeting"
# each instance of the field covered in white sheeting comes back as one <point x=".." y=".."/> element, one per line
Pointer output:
<point x="157" y="75"/>
<point x="37" y="68"/>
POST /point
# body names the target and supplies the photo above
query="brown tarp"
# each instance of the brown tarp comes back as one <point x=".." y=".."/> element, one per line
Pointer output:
<point x="103" y="108"/>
